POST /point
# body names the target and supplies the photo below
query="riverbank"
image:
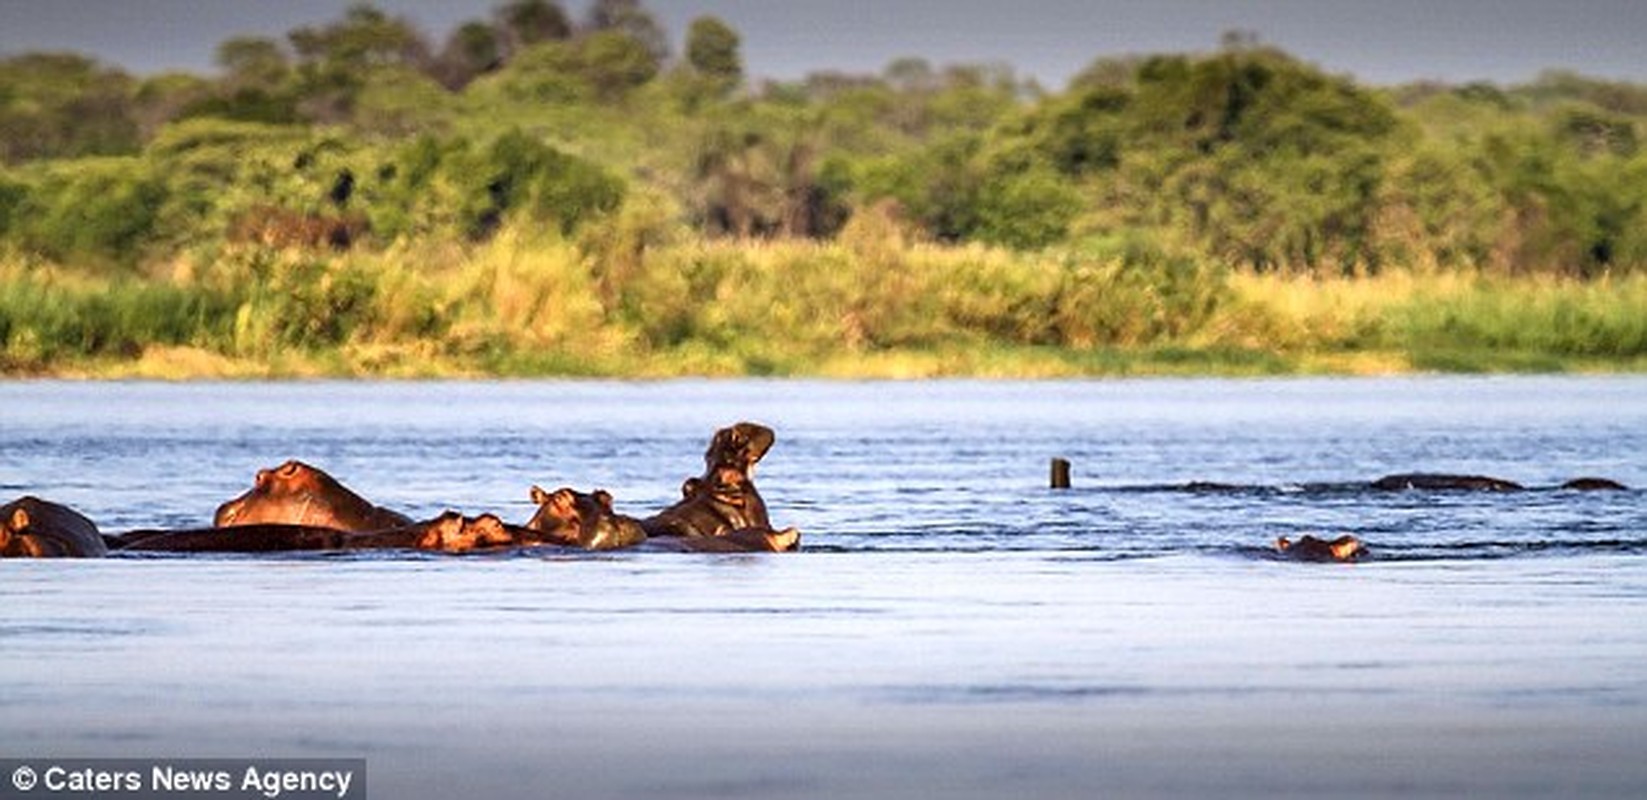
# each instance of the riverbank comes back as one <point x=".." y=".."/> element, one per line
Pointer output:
<point x="520" y="307"/>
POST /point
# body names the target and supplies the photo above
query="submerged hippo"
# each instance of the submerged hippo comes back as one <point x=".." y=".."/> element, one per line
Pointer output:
<point x="723" y="502"/>
<point x="295" y="493"/>
<point x="1594" y="485"/>
<point x="574" y="519"/>
<point x="450" y="532"/>
<point x="1309" y="548"/>
<point x="1477" y="483"/>
<point x="35" y="528"/>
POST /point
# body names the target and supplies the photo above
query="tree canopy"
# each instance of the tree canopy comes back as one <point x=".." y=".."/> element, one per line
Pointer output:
<point x="1242" y="156"/>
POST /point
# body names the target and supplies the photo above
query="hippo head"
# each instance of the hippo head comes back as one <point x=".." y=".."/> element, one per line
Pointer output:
<point x="739" y="447"/>
<point x="451" y="532"/>
<point x="295" y="493"/>
<point x="726" y="485"/>
<point x="444" y="533"/>
<point x="1344" y="548"/>
<point x="35" y="528"/>
<point x="575" y="519"/>
<point x="14" y="523"/>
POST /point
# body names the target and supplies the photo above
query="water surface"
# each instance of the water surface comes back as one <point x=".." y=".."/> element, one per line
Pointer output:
<point x="955" y="627"/>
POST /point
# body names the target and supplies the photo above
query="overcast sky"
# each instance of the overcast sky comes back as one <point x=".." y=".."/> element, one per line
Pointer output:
<point x="1378" y="41"/>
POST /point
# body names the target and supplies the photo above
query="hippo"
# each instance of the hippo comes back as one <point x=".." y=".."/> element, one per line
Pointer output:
<point x="724" y="498"/>
<point x="1594" y="485"/>
<point x="259" y="537"/>
<point x="1426" y="481"/>
<point x="575" y="519"/>
<point x="1309" y="548"/>
<point x="743" y="540"/>
<point x="295" y="493"/>
<point x="35" y="528"/>
<point x="450" y="532"/>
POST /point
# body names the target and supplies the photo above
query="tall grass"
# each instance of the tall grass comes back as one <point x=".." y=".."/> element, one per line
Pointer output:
<point x="868" y="304"/>
<point x="1446" y="321"/>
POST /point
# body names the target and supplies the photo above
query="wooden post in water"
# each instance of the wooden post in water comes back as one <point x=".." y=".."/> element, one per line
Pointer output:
<point x="1060" y="473"/>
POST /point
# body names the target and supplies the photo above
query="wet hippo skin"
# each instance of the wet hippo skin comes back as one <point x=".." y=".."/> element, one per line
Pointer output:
<point x="1419" y="480"/>
<point x="450" y="532"/>
<point x="574" y="519"/>
<point x="295" y="493"/>
<point x="723" y="502"/>
<point x="1594" y="485"/>
<point x="35" y="528"/>
<point x="1309" y="548"/>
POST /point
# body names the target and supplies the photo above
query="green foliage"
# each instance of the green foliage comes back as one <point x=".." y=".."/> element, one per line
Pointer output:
<point x="866" y="209"/>
<point x="59" y="105"/>
<point x="12" y="195"/>
<point x="46" y="320"/>
<point x="712" y="51"/>
<point x="518" y="173"/>
<point x="614" y="62"/>
<point x="301" y="302"/>
<point x="253" y="61"/>
<point x="102" y="210"/>
<point x="630" y="18"/>
<point x="528" y="22"/>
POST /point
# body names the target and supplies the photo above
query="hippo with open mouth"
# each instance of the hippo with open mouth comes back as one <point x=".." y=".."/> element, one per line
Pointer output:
<point x="724" y="500"/>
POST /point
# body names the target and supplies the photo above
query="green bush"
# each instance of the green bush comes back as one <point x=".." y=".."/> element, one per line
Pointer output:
<point x="520" y="175"/>
<point x="99" y="209"/>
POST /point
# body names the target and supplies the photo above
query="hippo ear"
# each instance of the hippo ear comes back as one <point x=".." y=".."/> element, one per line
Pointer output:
<point x="1282" y="543"/>
<point x="564" y="499"/>
<point x="539" y="496"/>
<point x="605" y="499"/>
<point x="690" y="487"/>
<point x="19" y="521"/>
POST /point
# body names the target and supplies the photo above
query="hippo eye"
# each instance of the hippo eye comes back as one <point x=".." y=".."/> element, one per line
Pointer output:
<point x="288" y="469"/>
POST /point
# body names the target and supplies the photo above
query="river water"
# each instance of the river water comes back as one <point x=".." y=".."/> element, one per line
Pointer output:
<point x="953" y="627"/>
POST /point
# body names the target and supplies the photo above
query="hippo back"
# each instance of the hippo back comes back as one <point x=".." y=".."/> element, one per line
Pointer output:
<point x="297" y="494"/>
<point x="1435" y="482"/>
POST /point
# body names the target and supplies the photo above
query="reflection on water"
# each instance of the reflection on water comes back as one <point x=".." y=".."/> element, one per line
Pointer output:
<point x="957" y="628"/>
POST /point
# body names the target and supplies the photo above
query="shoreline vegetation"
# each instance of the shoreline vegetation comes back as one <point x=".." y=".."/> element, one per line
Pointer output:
<point x="542" y="197"/>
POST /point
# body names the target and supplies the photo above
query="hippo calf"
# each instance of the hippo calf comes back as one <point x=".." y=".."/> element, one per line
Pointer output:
<point x="35" y="528"/>
<point x="1309" y="548"/>
<point x="295" y="493"/>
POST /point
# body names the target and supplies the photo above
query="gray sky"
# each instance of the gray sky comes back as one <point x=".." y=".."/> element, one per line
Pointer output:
<point x="1378" y="41"/>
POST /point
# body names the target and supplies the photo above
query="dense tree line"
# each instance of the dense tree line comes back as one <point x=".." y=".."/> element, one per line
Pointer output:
<point x="363" y="131"/>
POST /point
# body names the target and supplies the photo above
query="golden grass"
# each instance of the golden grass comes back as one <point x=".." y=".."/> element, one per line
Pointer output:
<point x="870" y="305"/>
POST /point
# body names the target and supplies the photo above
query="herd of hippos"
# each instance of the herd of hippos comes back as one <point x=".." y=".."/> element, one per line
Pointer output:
<point x="295" y="507"/>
